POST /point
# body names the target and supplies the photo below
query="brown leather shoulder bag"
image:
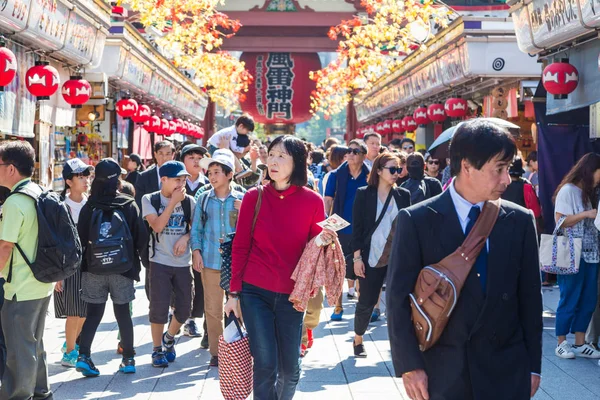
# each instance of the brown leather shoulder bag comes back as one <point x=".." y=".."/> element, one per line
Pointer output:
<point x="439" y="285"/>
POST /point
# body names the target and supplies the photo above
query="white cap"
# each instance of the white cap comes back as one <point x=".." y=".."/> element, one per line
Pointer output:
<point x="221" y="156"/>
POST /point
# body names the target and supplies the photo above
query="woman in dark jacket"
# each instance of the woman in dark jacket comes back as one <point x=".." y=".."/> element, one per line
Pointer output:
<point x="135" y="167"/>
<point x="375" y="209"/>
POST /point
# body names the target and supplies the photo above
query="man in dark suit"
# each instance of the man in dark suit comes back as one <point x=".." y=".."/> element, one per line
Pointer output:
<point x="149" y="180"/>
<point x="492" y="346"/>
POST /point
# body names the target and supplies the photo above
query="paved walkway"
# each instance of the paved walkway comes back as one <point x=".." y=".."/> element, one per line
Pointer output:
<point x="329" y="371"/>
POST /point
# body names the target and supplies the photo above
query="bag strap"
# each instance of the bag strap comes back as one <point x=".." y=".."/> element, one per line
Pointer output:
<point x="383" y="211"/>
<point x="257" y="208"/>
<point x="558" y="226"/>
<point x="186" y="204"/>
<point x="10" y="267"/>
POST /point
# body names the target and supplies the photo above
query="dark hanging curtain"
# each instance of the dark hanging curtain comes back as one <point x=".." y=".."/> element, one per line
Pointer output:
<point x="562" y="140"/>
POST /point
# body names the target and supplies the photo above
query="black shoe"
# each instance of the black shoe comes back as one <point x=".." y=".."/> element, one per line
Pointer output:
<point x="359" y="351"/>
<point x="204" y="342"/>
<point x="214" y="362"/>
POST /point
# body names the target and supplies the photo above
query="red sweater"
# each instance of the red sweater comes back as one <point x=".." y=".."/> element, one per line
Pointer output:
<point x="287" y="221"/>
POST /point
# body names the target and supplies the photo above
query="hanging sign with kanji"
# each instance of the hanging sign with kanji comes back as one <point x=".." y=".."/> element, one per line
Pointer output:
<point x="281" y="89"/>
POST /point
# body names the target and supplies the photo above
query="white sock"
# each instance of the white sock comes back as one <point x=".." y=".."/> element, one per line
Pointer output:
<point x="189" y="320"/>
<point x="351" y="291"/>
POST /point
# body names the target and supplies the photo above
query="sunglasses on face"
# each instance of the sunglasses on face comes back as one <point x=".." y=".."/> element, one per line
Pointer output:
<point x="433" y="162"/>
<point x="394" y="170"/>
<point x="407" y="147"/>
<point x="354" y="151"/>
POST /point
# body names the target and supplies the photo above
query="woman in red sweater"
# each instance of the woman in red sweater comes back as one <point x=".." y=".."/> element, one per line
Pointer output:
<point x="263" y="262"/>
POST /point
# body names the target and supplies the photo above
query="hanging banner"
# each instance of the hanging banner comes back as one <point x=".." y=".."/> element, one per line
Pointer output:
<point x="14" y="15"/>
<point x="80" y="39"/>
<point x="47" y="25"/>
<point x="17" y="105"/>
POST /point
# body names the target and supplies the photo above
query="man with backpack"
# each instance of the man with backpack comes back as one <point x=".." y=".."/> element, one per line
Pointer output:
<point x="420" y="186"/>
<point x="215" y="218"/>
<point x="26" y="299"/>
<point x="169" y="213"/>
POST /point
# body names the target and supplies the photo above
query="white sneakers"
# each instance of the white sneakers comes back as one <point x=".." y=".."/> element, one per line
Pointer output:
<point x="565" y="350"/>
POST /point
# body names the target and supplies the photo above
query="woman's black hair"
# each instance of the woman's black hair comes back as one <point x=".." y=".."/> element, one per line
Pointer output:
<point x="297" y="149"/>
<point x="63" y="194"/>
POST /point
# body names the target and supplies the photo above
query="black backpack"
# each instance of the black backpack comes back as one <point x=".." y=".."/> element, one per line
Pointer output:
<point x="110" y="246"/>
<point x="59" y="252"/>
<point x="186" y="204"/>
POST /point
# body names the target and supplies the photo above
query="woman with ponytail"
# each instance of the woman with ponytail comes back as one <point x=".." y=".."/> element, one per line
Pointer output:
<point x="67" y="297"/>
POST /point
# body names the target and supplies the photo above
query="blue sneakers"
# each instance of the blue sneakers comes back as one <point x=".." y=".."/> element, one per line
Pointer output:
<point x="69" y="359"/>
<point x="86" y="366"/>
<point x="127" y="366"/>
<point x="159" y="360"/>
<point x="64" y="348"/>
<point x="337" y="314"/>
<point x="169" y="347"/>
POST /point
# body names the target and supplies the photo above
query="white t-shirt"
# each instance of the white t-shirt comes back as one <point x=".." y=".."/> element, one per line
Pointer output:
<point x="380" y="236"/>
<point x="75" y="207"/>
<point x="229" y="133"/>
<point x="569" y="202"/>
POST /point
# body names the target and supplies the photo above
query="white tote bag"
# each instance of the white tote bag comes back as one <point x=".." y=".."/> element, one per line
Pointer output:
<point x="560" y="254"/>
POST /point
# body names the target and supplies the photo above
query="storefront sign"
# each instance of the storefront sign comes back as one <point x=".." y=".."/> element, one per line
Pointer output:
<point x="47" y="24"/>
<point x="136" y="72"/>
<point x="14" y="15"/>
<point x="158" y="87"/>
<point x="80" y="40"/>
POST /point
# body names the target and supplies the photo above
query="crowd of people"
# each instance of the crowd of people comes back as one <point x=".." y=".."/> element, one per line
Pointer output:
<point x="405" y="209"/>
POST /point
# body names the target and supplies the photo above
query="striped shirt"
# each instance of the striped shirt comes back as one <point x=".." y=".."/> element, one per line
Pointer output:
<point x="205" y="235"/>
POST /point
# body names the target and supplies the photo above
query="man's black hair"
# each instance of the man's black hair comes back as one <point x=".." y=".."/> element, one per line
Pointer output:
<point x="160" y="145"/>
<point x="20" y="154"/>
<point x="246" y="121"/>
<point x="396" y="143"/>
<point x="295" y="148"/>
<point x="478" y="141"/>
<point x="370" y="135"/>
<point x="225" y="168"/>
<point x="407" y="140"/>
<point x="531" y="157"/>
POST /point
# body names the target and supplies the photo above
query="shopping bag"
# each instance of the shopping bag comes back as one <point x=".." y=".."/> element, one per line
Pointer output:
<point x="235" y="365"/>
<point x="560" y="254"/>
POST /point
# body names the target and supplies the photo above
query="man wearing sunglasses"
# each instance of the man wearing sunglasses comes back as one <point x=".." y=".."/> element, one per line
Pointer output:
<point x="408" y="145"/>
<point x="340" y="192"/>
<point x="433" y="167"/>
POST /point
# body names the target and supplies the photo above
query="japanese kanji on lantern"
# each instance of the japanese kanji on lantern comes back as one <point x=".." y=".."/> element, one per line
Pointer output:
<point x="153" y="125"/>
<point x="282" y="87"/>
<point x="165" y="128"/>
<point x="76" y="91"/>
<point x="397" y="126"/>
<point x="387" y="127"/>
<point x="436" y="112"/>
<point x="560" y="79"/>
<point x="420" y="116"/>
<point x="8" y="67"/>
<point x="379" y="128"/>
<point x="127" y="107"/>
<point x="456" y="107"/>
<point x="142" y="115"/>
<point x="42" y="80"/>
<point x="409" y="124"/>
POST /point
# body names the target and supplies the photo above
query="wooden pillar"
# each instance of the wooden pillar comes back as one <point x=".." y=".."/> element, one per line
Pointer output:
<point x="351" y="121"/>
<point x="209" y="121"/>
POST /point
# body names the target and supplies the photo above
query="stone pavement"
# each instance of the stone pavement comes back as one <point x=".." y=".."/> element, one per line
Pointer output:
<point x="329" y="371"/>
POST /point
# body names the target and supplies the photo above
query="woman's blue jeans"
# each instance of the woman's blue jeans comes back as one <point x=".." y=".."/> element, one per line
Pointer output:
<point x="275" y="332"/>
<point x="578" y="299"/>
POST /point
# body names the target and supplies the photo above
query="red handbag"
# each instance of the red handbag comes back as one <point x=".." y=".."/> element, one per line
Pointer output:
<point x="235" y="367"/>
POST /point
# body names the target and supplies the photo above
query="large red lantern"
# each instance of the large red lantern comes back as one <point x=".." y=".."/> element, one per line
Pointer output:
<point x="409" y="124"/>
<point x="436" y="112"/>
<point x="178" y="125"/>
<point x="387" y="127"/>
<point x="127" y="108"/>
<point x="76" y="91"/>
<point x="142" y="115"/>
<point x="379" y="128"/>
<point x="200" y="132"/>
<point x="281" y="89"/>
<point x="153" y="125"/>
<point x="456" y="107"/>
<point x="42" y="80"/>
<point x="420" y="116"/>
<point x="397" y="126"/>
<point x="560" y="79"/>
<point x="185" y="128"/>
<point x="8" y="67"/>
<point x="360" y="133"/>
<point x="172" y="127"/>
<point x="165" y="127"/>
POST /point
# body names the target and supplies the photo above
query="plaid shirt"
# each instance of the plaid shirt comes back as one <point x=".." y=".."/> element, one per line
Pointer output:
<point x="205" y="236"/>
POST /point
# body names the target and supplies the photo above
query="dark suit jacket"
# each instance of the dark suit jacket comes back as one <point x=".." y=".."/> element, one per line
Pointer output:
<point x="146" y="183"/>
<point x="364" y="216"/>
<point x="492" y="343"/>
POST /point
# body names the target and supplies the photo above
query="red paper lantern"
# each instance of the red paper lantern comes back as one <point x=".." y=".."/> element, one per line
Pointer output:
<point x="560" y="79"/>
<point x="76" y="91"/>
<point x="142" y="115"/>
<point x="360" y="133"/>
<point x="8" y="67"/>
<point x="165" y="127"/>
<point x="153" y="125"/>
<point x="281" y="89"/>
<point x="436" y="112"/>
<point x="456" y="107"/>
<point x="42" y="80"/>
<point x="409" y="124"/>
<point x="200" y="132"/>
<point x="397" y="126"/>
<point x="420" y="116"/>
<point x="172" y="127"/>
<point x="387" y="126"/>
<point x="185" y="127"/>
<point x="179" y="125"/>
<point x="127" y="108"/>
<point x="379" y="128"/>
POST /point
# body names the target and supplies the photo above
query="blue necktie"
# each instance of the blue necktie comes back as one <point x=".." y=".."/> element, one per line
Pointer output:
<point x="481" y="262"/>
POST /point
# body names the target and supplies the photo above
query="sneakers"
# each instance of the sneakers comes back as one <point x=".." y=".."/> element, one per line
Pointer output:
<point x="169" y="347"/>
<point x="127" y="366"/>
<point x="159" y="360"/>
<point x="64" y="348"/>
<point x="564" y="350"/>
<point x="586" y="351"/>
<point x="86" y="366"/>
<point x="190" y="329"/>
<point x="337" y="314"/>
<point x="351" y="294"/>
<point x="359" y="350"/>
<point x="376" y="314"/>
<point x="120" y="349"/>
<point x="70" y="359"/>
<point x="303" y="350"/>
<point x="309" y="334"/>
<point x="214" y="362"/>
<point x="204" y="342"/>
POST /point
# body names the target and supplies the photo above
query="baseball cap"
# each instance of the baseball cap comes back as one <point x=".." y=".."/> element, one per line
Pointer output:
<point x="107" y="169"/>
<point x="75" y="166"/>
<point x="193" y="148"/>
<point x="221" y="156"/>
<point x="516" y="168"/>
<point x="173" y="169"/>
